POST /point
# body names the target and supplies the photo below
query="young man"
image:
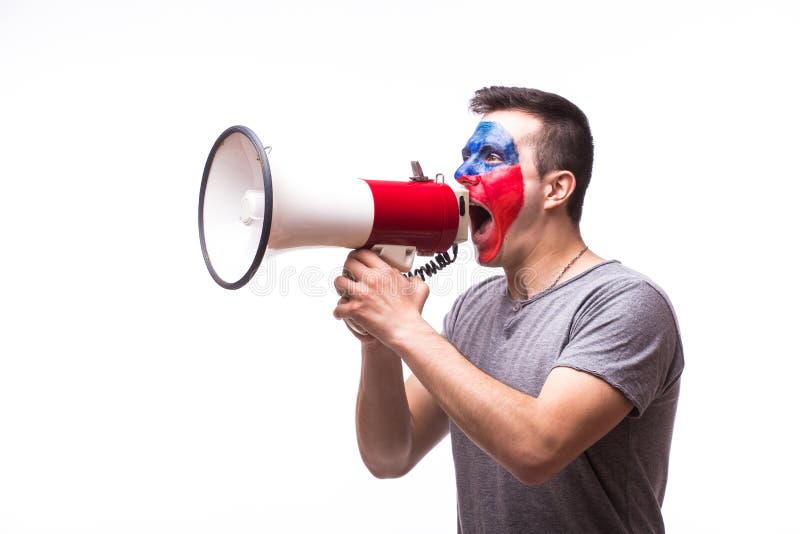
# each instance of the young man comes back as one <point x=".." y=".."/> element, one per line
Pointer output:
<point x="558" y="382"/>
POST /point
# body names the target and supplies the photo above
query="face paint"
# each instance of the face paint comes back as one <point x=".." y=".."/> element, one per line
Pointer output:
<point x="492" y="174"/>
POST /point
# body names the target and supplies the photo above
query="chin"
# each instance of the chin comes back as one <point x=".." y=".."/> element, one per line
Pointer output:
<point x="494" y="261"/>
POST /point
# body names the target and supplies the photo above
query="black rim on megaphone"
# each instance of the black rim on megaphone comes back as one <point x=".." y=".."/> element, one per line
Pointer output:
<point x="267" y="220"/>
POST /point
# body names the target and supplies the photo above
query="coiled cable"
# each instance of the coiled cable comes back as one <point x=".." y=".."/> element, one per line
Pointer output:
<point x="439" y="262"/>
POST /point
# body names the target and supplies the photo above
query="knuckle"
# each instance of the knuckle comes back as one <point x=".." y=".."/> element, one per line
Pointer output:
<point x="370" y="277"/>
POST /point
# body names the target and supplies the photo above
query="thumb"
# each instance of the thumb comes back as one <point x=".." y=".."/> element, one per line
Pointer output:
<point x="420" y="288"/>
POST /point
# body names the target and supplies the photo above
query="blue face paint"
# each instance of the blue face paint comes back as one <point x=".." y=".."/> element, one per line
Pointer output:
<point x="492" y="174"/>
<point x="490" y="147"/>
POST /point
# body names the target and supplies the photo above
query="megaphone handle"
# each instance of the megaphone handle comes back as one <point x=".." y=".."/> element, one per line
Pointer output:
<point x="401" y="257"/>
<point x="355" y="328"/>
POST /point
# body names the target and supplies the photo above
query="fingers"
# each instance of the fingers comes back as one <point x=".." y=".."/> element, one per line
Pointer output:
<point x="346" y="287"/>
<point x="346" y="308"/>
<point x="354" y="269"/>
<point x="360" y="262"/>
<point x="365" y="266"/>
<point x="337" y="310"/>
<point x="368" y="258"/>
<point x="343" y="309"/>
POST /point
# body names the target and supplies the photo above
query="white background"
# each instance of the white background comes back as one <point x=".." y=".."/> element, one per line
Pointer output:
<point x="138" y="396"/>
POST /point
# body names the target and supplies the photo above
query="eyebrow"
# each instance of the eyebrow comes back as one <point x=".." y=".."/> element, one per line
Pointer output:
<point x="487" y="146"/>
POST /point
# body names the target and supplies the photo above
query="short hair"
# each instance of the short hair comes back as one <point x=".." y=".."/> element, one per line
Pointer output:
<point x="565" y="142"/>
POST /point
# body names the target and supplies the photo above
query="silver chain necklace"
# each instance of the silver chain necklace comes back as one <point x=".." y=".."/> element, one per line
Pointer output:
<point x="567" y="266"/>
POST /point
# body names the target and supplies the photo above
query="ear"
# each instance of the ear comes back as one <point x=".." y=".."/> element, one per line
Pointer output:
<point x="558" y="189"/>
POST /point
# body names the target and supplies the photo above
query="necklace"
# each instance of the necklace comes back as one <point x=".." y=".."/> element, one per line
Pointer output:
<point x="567" y="266"/>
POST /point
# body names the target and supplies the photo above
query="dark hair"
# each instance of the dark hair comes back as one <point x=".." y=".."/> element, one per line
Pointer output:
<point x="565" y="142"/>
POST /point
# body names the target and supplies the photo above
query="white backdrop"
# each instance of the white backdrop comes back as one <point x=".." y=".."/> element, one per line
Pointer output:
<point x="137" y="396"/>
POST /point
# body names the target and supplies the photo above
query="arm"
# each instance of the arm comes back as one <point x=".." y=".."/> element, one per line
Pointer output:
<point x="396" y="423"/>
<point x="532" y="437"/>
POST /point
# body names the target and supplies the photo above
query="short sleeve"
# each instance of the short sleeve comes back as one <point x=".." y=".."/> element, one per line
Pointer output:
<point x="626" y="335"/>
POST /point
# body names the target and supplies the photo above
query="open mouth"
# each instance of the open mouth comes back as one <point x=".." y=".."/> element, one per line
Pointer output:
<point x="480" y="218"/>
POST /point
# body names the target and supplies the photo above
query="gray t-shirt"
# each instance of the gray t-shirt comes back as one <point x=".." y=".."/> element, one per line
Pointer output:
<point x="609" y="321"/>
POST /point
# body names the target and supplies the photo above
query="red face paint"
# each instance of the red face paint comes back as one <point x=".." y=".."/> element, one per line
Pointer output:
<point x="501" y="192"/>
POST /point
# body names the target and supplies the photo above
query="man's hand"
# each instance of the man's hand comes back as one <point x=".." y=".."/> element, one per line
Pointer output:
<point x="378" y="297"/>
<point x="366" y="340"/>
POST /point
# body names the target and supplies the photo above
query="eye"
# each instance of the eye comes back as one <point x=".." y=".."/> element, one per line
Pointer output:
<point x="493" y="157"/>
<point x="465" y="155"/>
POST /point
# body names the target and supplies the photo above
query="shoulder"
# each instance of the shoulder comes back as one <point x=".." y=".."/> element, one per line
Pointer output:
<point x="613" y="285"/>
<point x="626" y="333"/>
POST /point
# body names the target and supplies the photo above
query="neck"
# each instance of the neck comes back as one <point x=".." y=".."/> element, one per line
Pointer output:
<point x="538" y="267"/>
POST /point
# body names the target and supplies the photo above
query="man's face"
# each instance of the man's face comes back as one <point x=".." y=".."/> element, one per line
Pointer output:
<point x="494" y="177"/>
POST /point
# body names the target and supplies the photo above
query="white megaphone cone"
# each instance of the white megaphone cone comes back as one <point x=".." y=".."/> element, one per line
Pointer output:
<point x="244" y="210"/>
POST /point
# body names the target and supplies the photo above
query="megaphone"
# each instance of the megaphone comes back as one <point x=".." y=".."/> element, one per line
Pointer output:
<point x="245" y="210"/>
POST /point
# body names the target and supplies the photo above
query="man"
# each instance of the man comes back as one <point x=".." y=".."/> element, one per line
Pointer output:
<point x="558" y="382"/>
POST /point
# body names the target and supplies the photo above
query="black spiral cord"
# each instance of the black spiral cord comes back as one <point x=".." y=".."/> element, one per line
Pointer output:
<point x="439" y="262"/>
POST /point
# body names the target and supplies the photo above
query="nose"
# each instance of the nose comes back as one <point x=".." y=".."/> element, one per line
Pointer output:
<point x="469" y="171"/>
<point x="468" y="180"/>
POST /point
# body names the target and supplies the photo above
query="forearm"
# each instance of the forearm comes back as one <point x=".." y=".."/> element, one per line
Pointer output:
<point x="383" y="422"/>
<point x="499" y="419"/>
